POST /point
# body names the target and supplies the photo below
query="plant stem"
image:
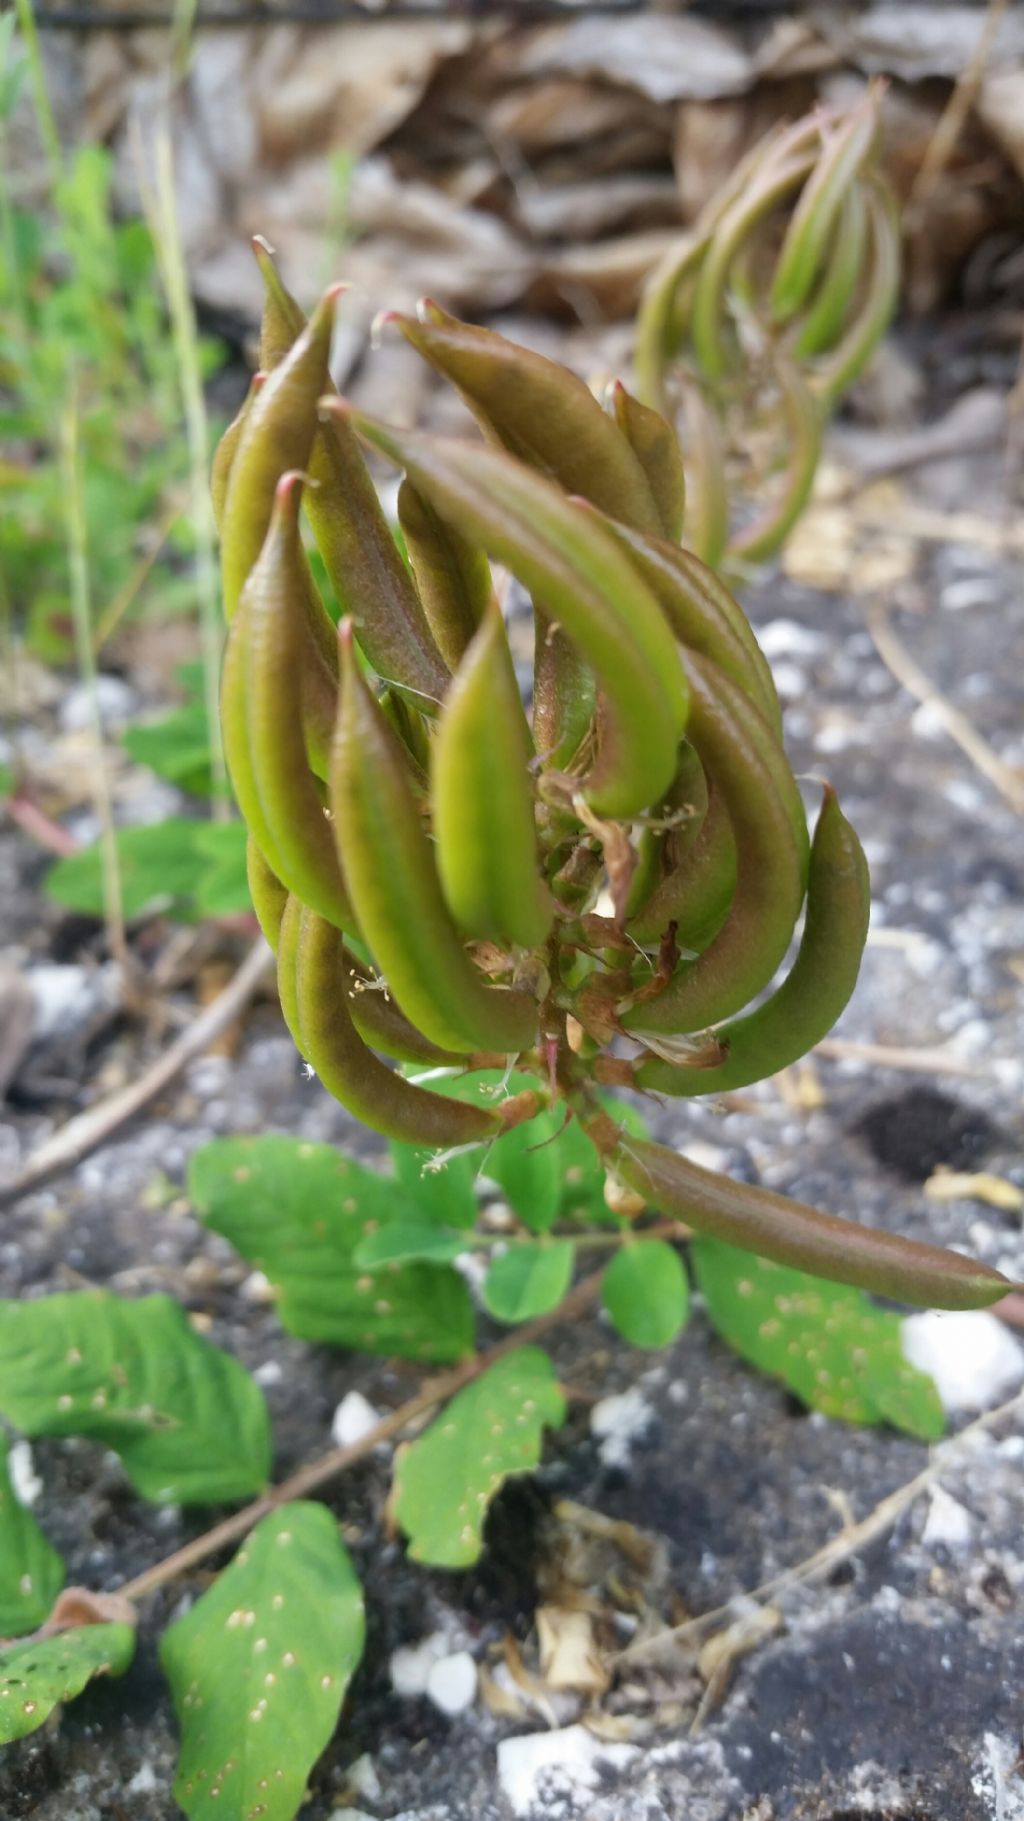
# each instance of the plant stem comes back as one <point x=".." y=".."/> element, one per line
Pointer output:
<point x="317" y="1473"/>
<point x="40" y="94"/>
<point x="165" y="228"/>
<point x="78" y="567"/>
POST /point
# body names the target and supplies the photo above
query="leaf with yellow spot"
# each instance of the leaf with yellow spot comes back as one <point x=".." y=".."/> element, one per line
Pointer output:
<point x="37" y="1675"/>
<point x="187" y="1421"/>
<point x="259" y="1666"/>
<point x="298" y="1212"/>
<point x="446" y="1479"/>
<point x="831" y="1345"/>
<point x="31" y="1571"/>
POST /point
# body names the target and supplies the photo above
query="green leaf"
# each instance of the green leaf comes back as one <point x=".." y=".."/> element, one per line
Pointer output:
<point x="404" y="1240"/>
<point x="297" y="1212"/>
<point x="646" y="1292"/>
<point x="528" y="1279"/>
<point x="259" y="1667"/>
<point x="6" y="775"/>
<point x="829" y="1344"/>
<point x="176" y="747"/>
<point x="445" y="1480"/>
<point x="31" y="1571"/>
<point x="36" y="1676"/>
<point x="222" y="886"/>
<point x="166" y="866"/>
<point x="188" y="1423"/>
<point x="446" y="1195"/>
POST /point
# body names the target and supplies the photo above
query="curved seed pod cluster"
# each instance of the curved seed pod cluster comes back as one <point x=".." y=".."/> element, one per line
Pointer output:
<point x="765" y="313"/>
<point x="595" y="889"/>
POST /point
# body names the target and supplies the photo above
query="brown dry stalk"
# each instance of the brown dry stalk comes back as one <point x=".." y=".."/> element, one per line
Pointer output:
<point x="317" y="1473"/>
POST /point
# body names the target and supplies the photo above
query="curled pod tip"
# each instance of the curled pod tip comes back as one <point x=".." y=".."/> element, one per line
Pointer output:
<point x="277" y="436"/>
<point x="790" y="1233"/>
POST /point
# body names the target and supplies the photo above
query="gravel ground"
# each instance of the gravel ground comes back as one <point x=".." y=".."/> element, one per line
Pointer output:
<point x="892" y="1689"/>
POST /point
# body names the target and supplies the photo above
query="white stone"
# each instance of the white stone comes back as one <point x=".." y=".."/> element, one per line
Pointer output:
<point x="787" y="638"/>
<point x="363" y="1779"/>
<point x="353" y="1419"/>
<point x="948" y="1522"/>
<point x="618" y="1421"/>
<point x="270" y="1373"/>
<point x="451" y="1683"/>
<point x="25" y="1481"/>
<point x="567" y="1761"/>
<point x="411" y="1664"/>
<point x="972" y="1356"/>
<point x="115" y="700"/>
<point x="143" y="1783"/>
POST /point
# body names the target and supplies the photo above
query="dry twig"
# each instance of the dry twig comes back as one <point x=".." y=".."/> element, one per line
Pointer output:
<point x="839" y="1548"/>
<point x="88" y="1130"/>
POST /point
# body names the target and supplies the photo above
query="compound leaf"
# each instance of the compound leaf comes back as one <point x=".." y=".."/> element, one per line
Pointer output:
<point x="187" y="1421"/>
<point x="40" y="1673"/>
<point x="259" y="1666"/>
<point x="646" y="1292"/>
<point x="179" y="867"/>
<point x="31" y="1571"/>
<point x="297" y="1212"/>
<point x="445" y="1480"/>
<point x="528" y="1279"/>
<point x="833" y="1347"/>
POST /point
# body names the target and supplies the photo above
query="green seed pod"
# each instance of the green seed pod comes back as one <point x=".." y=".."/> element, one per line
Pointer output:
<point x="656" y="447"/>
<point x="660" y="849"/>
<point x="780" y="178"/>
<point x="315" y="1000"/>
<point x="538" y="411"/>
<point x="695" y="616"/>
<point x="574" y="567"/>
<point x="392" y="875"/>
<point x="283" y="318"/>
<point x="791" y="1234"/>
<point x="452" y="575"/>
<point x="805" y="1007"/>
<point x="826" y="316"/>
<point x="264" y="741"/>
<point x="363" y="564"/>
<point x="756" y="933"/>
<point x="226" y="449"/>
<point x="811" y="224"/>
<point x="707" y="509"/>
<point x="276" y="437"/>
<point x="697" y="886"/>
<point x="482" y="799"/>
<point x="855" y="347"/>
<point x="269" y="896"/>
<point x="804" y="422"/>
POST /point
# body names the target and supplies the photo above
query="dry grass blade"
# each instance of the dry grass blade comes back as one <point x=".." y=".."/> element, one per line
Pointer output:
<point x="1008" y="779"/>
<point x="839" y="1548"/>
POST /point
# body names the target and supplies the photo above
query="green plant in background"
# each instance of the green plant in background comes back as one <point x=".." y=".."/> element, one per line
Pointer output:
<point x="81" y="308"/>
<point x="755" y="326"/>
<point x="183" y="867"/>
